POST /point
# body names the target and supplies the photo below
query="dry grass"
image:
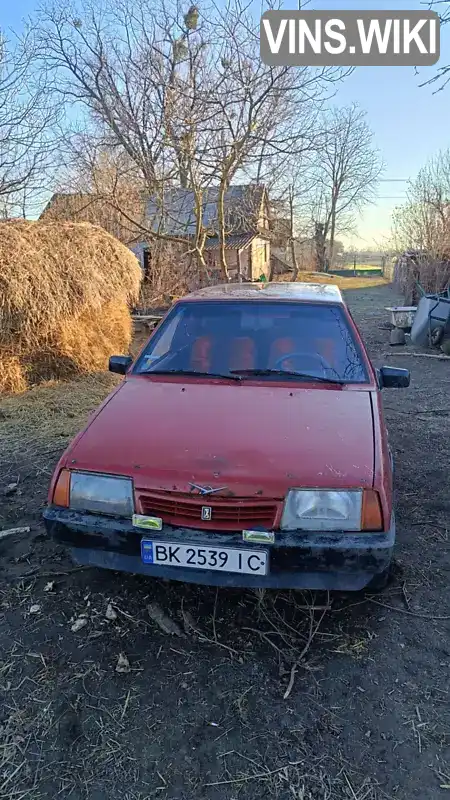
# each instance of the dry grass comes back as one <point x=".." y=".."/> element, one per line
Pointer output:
<point x="343" y="282"/>
<point x="49" y="415"/>
<point x="11" y="372"/>
<point x="65" y="290"/>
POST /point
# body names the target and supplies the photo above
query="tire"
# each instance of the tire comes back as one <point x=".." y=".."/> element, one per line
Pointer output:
<point x="436" y="336"/>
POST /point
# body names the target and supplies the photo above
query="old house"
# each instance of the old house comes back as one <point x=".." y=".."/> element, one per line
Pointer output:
<point x="247" y="239"/>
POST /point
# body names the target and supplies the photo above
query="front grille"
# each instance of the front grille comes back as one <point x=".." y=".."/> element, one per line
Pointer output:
<point x="227" y="514"/>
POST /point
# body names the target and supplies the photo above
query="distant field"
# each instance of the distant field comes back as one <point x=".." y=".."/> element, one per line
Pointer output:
<point x="358" y="282"/>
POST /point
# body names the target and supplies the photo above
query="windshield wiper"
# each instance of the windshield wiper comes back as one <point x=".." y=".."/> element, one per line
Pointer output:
<point x="226" y="376"/>
<point x="286" y="373"/>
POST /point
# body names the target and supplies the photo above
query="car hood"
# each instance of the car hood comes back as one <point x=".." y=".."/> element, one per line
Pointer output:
<point x="252" y="439"/>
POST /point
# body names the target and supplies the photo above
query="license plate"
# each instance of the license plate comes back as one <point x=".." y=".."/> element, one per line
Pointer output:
<point x="222" y="559"/>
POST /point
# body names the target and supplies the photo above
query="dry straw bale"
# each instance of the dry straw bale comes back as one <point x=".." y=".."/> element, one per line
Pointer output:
<point x="65" y="291"/>
<point x="12" y="378"/>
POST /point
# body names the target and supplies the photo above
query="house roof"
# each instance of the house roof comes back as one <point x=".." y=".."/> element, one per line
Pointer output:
<point x="67" y="201"/>
<point x="174" y="212"/>
<point x="93" y="208"/>
<point x="235" y="241"/>
<point x="313" y="292"/>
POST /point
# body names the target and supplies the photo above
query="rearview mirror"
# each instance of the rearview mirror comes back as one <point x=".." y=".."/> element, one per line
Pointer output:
<point x="120" y="364"/>
<point x="394" y="378"/>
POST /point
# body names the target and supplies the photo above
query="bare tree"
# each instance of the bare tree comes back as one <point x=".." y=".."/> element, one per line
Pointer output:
<point x="423" y="222"/>
<point x="442" y="76"/>
<point x="28" y="115"/>
<point x="294" y="202"/>
<point x="347" y="170"/>
<point x="421" y="231"/>
<point x="101" y="186"/>
<point x="98" y="185"/>
<point x="261" y="116"/>
<point x="183" y="95"/>
<point x="127" y="70"/>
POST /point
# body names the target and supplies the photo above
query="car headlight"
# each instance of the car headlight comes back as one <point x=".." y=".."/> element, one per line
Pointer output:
<point x="102" y="494"/>
<point x="321" y="510"/>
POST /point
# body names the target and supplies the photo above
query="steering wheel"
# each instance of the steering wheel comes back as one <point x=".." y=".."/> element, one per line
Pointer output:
<point x="312" y="356"/>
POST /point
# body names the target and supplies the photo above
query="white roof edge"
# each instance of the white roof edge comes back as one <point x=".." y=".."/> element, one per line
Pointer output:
<point x="314" y="292"/>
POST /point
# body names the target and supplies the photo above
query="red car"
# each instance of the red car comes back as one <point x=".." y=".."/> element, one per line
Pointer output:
<point x="246" y="446"/>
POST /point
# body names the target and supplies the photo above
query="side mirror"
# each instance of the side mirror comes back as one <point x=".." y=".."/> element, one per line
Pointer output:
<point x="394" y="378"/>
<point x="120" y="364"/>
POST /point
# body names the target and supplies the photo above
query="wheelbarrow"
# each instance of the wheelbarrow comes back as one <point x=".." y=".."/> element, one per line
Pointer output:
<point x="431" y="319"/>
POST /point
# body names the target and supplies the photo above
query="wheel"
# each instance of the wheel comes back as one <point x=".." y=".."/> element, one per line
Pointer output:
<point x="436" y="335"/>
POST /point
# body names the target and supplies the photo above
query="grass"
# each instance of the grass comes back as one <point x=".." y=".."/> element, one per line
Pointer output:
<point x="358" y="282"/>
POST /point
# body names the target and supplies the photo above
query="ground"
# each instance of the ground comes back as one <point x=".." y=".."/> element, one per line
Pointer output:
<point x="271" y="695"/>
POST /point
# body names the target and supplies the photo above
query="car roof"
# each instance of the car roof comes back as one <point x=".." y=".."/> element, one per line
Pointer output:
<point x="315" y="292"/>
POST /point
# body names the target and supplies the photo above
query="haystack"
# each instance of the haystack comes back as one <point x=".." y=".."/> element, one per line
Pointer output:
<point x="65" y="293"/>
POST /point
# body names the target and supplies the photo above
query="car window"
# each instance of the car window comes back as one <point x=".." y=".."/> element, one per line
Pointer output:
<point x="224" y="337"/>
<point x="164" y="341"/>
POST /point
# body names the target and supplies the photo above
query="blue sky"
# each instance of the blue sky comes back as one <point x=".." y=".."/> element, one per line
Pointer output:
<point x="410" y="123"/>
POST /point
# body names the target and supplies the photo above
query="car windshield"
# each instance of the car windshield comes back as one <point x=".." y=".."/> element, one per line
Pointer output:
<point x="266" y="340"/>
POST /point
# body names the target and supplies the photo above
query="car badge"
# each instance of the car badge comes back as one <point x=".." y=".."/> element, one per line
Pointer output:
<point x="206" y="489"/>
<point x="206" y="513"/>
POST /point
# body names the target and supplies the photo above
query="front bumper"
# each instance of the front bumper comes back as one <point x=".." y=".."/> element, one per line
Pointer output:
<point x="335" y="561"/>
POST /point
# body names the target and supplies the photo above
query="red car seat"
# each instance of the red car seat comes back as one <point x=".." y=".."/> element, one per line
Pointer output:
<point x="201" y="353"/>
